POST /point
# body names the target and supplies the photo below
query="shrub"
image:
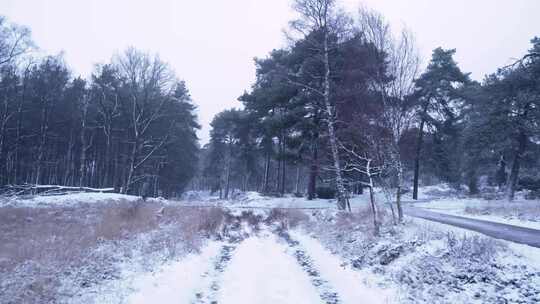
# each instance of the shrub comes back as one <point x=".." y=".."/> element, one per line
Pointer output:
<point x="477" y="249"/>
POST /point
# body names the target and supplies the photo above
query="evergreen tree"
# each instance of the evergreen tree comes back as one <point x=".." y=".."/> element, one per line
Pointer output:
<point x="439" y="95"/>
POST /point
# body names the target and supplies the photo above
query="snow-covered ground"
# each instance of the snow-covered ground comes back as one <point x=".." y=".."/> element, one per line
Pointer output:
<point x="261" y="271"/>
<point x="175" y="282"/>
<point x="261" y="268"/>
<point x="255" y="249"/>
<point x="66" y="200"/>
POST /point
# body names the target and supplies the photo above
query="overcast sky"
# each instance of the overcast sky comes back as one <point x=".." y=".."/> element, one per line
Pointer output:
<point x="211" y="43"/>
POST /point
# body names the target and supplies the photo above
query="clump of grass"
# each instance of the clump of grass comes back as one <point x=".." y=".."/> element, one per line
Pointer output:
<point x="472" y="248"/>
<point x="286" y="218"/>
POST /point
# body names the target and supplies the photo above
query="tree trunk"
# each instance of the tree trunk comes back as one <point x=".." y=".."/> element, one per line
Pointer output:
<point x="501" y="177"/>
<point x="282" y="190"/>
<point x="313" y="173"/>
<point x="228" y="174"/>
<point x="341" y="192"/>
<point x="17" y="166"/>
<point x="297" y="184"/>
<point x="108" y="177"/>
<point x="374" y="211"/>
<point x="131" y="169"/>
<point x="3" y="175"/>
<point x="398" y="189"/>
<point x="278" y="169"/>
<point x="419" y="144"/>
<point x="82" y="165"/>
<point x="42" y="141"/>
<point x="516" y="164"/>
<point x="69" y="159"/>
<point x="372" y="199"/>
<point x="266" y="173"/>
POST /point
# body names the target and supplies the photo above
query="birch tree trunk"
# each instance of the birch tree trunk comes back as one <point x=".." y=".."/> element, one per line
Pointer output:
<point x="341" y="192"/>
<point x="131" y="170"/>
<point x="399" y="182"/>
<point x="516" y="164"/>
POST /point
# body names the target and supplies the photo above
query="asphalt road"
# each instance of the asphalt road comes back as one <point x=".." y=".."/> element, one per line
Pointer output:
<point x="506" y="232"/>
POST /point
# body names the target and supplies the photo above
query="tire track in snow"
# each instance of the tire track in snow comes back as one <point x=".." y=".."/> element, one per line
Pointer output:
<point x="263" y="271"/>
<point x="351" y="285"/>
<point x="213" y="275"/>
<point x="326" y="291"/>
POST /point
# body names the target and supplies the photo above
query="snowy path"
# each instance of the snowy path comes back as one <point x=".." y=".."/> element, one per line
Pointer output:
<point x="266" y="268"/>
<point x="210" y="278"/>
<point x="506" y="232"/>
<point x="262" y="272"/>
<point x="176" y="282"/>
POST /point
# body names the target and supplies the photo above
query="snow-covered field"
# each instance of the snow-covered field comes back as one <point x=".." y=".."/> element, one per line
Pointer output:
<point x="105" y="248"/>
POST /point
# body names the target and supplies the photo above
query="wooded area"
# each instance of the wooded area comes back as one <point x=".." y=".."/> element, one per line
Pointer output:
<point x="131" y="125"/>
<point x="346" y="106"/>
<point x="343" y="107"/>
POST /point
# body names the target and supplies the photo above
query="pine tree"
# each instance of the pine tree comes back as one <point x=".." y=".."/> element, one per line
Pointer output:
<point x="438" y="93"/>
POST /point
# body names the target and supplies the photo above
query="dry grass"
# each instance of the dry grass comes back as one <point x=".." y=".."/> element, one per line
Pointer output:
<point x="474" y="249"/>
<point x="39" y="246"/>
<point x="286" y="218"/>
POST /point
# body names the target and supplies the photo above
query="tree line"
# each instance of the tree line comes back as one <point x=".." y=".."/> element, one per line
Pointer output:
<point x="345" y="106"/>
<point x="130" y="126"/>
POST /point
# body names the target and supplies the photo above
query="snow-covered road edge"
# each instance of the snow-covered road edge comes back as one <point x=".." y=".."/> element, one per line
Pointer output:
<point x="351" y="285"/>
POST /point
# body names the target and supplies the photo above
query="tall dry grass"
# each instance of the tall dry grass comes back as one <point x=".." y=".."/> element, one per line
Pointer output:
<point x="41" y="246"/>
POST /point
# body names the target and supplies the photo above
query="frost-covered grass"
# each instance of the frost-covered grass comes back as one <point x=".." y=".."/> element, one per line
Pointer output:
<point x="429" y="262"/>
<point x="119" y="249"/>
<point x="56" y="254"/>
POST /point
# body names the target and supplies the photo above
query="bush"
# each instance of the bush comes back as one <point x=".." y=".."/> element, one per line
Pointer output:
<point x="326" y="192"/>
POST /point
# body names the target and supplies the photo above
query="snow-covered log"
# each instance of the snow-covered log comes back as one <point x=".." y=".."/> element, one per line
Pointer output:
<point x="12" y="190"/>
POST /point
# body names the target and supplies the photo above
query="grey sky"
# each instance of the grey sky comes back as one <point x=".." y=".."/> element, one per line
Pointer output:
<point x="211" y="43"/>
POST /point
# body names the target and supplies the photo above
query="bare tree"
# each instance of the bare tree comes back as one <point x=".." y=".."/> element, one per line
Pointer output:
<point x="148" y="82"/>
<point x="14" y="41"/>
<point x="395" y="86"/>
<point x="85" y="143"/>
<point x="364" y="165"/>
<point x="105" y="90"/>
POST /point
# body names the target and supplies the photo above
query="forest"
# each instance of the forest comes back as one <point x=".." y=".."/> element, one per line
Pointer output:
<point x="132" y="124"/>
<point x="176" y="151"/>
<point x="347" y="105"/>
